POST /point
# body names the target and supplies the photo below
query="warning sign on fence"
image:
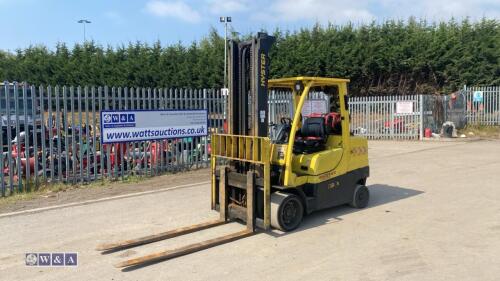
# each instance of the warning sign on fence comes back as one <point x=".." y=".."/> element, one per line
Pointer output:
<point x="477" y="96"/>
<point x="143" y="125"/>
<point x="404" y="107"/>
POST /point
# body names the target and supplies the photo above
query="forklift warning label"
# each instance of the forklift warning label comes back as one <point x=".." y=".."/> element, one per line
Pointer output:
<point x="144" y="125"/>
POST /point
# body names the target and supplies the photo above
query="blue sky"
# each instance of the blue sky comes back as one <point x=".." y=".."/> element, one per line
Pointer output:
<point x="114" y="22"/>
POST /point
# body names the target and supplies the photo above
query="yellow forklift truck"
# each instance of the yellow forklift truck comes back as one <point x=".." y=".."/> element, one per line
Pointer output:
<point x="310" y="162"/>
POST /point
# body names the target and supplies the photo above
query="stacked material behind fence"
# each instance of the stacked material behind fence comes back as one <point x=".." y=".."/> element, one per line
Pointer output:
<point x="52" y="134"/>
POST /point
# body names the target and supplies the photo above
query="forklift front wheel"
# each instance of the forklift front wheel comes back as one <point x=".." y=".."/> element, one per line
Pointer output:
<point x="286" y="211"/>
<point x="361" y="197"/>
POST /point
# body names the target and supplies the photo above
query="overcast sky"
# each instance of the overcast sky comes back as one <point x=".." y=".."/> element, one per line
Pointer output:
<point x="47" y="22"/>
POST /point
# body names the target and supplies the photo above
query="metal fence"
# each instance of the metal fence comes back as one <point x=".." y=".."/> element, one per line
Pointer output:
<point x="52" y="134"/>
<point x="280" y="106"/>
<point x="378" y="117"/>
<point x="406" y="117"/>
<point x="482" y="105"/>
<point x="387" y="117"/>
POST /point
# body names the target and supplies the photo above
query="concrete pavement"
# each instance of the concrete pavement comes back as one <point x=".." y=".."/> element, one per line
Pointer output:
<point x="434" y="215"/>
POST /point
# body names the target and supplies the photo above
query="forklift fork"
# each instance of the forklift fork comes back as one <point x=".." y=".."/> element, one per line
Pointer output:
<point x="195" y="247"/>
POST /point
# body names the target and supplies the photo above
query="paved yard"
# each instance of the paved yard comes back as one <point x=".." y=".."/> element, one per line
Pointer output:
<point x="434" y="215"/>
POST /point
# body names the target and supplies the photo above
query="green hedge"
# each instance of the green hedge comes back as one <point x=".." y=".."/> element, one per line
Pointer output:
<point x="393" y="57"/>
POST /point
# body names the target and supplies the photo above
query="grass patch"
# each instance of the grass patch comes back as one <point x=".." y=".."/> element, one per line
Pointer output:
<point x="481" y="131"/>
<point x="48" y="189"/>
<point x="45" y="189"/>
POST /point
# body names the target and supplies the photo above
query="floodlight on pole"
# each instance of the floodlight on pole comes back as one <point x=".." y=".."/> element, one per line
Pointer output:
<point x="84" y="22"/>
<point x="225" y="20"/>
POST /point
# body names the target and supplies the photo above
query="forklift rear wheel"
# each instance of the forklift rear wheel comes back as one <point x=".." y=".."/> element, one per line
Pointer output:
<point x="286" y="211"/>
<point x="361" y="197"/>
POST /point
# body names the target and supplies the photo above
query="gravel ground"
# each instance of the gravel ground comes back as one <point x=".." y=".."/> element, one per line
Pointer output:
<point x="98" y="190"/>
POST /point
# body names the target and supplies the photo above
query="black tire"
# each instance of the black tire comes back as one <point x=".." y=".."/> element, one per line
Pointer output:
<point x="287" y="211"/>
<point x="361" y="197"/>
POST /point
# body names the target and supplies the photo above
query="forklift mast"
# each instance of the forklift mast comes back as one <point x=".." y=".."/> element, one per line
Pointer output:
<point x="248" y="79"/>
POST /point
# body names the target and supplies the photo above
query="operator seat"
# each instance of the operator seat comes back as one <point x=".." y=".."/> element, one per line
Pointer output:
<point x="333" y="123"/>
<point x="311" y="137"/>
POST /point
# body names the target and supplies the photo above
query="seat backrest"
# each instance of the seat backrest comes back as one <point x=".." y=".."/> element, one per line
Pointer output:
<point x="313" y="127"/>
<point x="333" y="123"/>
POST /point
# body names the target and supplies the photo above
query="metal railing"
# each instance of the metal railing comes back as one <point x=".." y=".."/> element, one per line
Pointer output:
<point x="482" y="105"/>
<point x="280" y="106"/>
<point x="52" y="134"/>
<point x="387" y="117"/>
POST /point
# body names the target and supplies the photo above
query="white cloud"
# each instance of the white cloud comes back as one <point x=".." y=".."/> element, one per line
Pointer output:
<point x="223" y="7"/>
<point x="323" y="11"/>
<point x="173" y="9"/>
<point x="337" y="11"/>
<point x="442" y="9"/>
<point x="319" y="10"/>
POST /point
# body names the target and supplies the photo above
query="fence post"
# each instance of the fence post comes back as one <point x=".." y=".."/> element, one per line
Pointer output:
<point x="58" y="132"/>
<point x="80" y="138"/>
<point x="94" y="133"/>
<point x="498" y="108"/>
<point x="421" y="123"/>
<point x="391" y="120"/>
<point x="18" y="138"/>
<point x="2" y="164"/>
<point x="108" y="146"/>
<point x="205" y="106"/>
<point x="10" y="161"/>
<point x="26" y="138"/>
<point x="66" y="134"/>
<point x="74" y="159"/>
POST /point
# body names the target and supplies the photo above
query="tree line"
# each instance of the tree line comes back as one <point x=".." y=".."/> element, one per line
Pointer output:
<point x="389" y="58"/>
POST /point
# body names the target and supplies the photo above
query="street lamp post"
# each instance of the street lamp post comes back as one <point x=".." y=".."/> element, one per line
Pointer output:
<point x="225" y="20"/>
<point x="84" y="22"/>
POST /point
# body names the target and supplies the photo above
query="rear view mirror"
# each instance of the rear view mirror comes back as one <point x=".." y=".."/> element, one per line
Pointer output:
<point x="346" y="102"/>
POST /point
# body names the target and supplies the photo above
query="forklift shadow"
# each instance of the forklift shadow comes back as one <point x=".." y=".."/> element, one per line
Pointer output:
<point x="380" y="194"/>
